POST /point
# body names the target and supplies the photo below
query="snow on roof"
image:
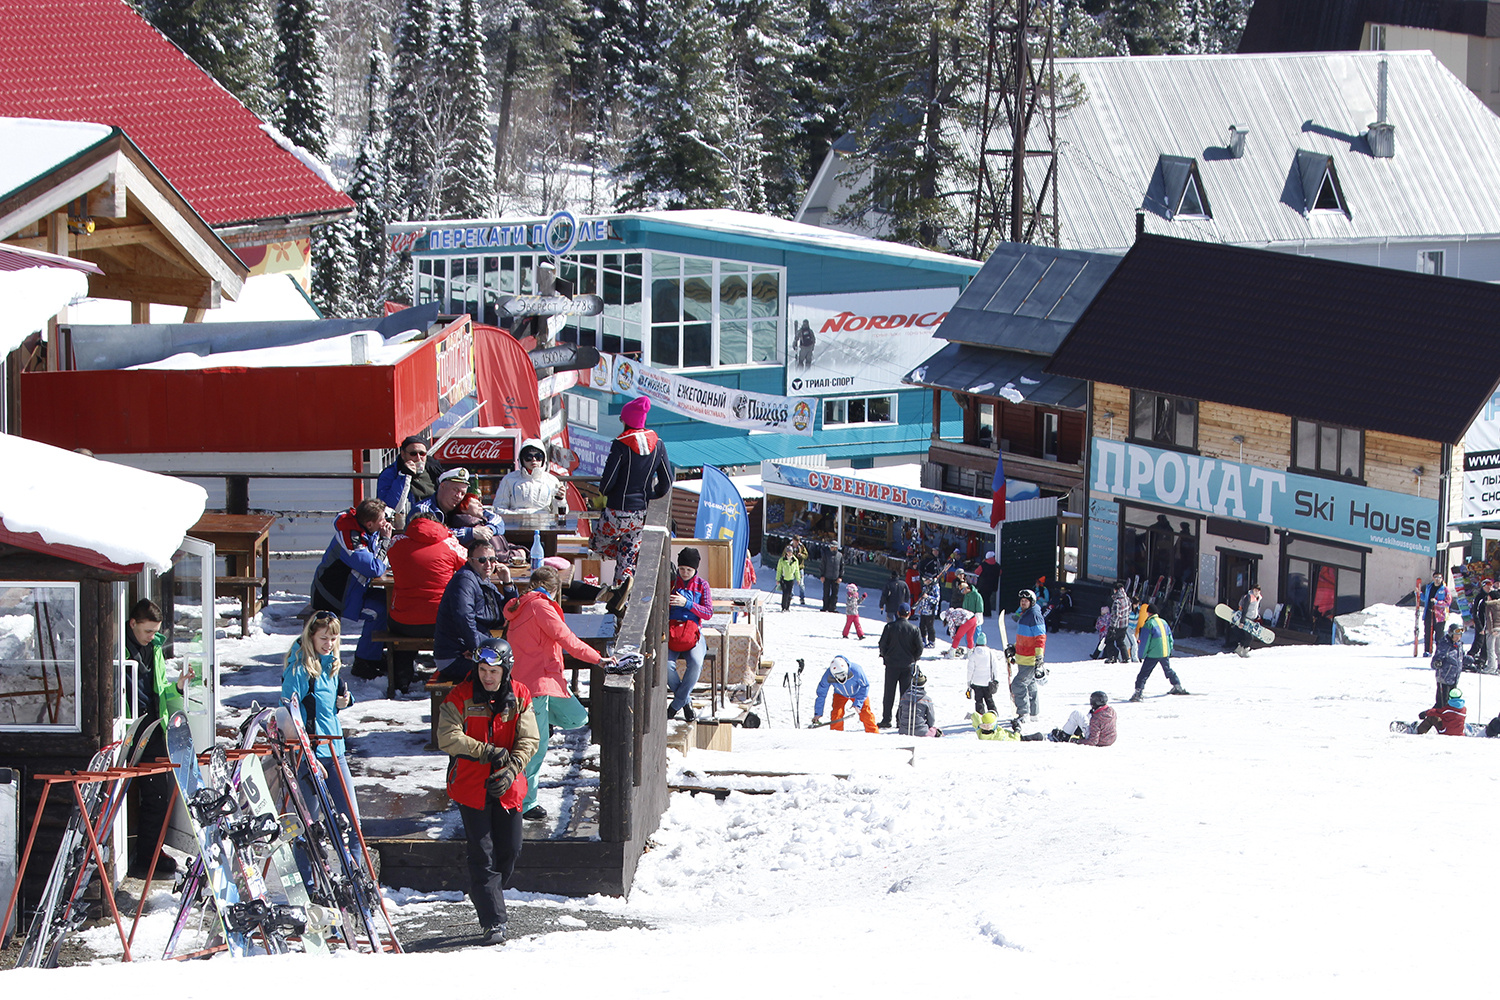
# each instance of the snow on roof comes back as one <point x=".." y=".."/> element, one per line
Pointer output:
<point x="748" y="486"/>
<point x="726" y="220"/>
<point x="34" y="146"/>
<point x="318" y="353"/>
<point x="265" y="297"/>
<point x="126" y="515"/>
<point x="32" y="296"/>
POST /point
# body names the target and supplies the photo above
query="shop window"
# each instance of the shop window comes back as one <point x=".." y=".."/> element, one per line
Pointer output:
<point x="1154" y="547"/>
<point x="39" y="656"/>
<point x="583" y="411"/>
<point x="1320" y="581"/>
<point x="1430" y="262"/>
<point x="859" y="410"/>
<point x="1158" y="419"/>
<point x="1326" y="450"/>
<point x="713" y="313"/>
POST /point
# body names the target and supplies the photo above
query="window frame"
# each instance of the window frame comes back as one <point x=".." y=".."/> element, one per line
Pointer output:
<point x="1295" y="464"/>
<point x="1149" y="438"/>
<point x="583" y="411"/>
<point x="74" y="587"/>
<point x="1438" y="256"/>
<point x="827" y="401"/>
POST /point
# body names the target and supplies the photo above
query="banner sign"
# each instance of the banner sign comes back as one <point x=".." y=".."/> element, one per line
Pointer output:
<point x="714" y="404"/>
<point x="1104" y="539"/>
<point x="591" y="450"/>
<point x="721" y="515"/>
<point x="1482" y="464"/>
<point x="558" y="235"/>
<point x="455" y="366"/>
<point x="1219" y="487"/>
<point x="861" y="341"/>
<point x="551" y="305"/>
<point x="851" y="491"/>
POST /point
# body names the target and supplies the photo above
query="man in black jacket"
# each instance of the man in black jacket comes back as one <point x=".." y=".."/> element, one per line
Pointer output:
<point x="833" y="575"/>
<point x="893" y="595"/>
<point x="900" y="648"/>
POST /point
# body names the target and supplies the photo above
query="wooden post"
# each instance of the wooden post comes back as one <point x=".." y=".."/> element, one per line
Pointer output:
<point x="236" y="494"/>
<point x="140" y="312"/>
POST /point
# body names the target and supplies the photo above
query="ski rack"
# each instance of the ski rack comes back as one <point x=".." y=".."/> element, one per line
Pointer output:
<point x="76" y="779"/>
<point x="394" y="945"/>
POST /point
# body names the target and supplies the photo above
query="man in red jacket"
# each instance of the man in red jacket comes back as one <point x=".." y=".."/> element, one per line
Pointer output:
<point x="487" y="728"/>
<point x="423" y="559"/>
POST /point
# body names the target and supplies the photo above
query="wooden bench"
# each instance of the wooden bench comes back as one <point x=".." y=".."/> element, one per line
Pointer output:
<point x="437" y="691"/>
<point x="406" y="644"/>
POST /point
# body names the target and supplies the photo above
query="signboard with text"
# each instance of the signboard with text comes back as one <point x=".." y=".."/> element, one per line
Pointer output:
<point x="857" y="342"/>
<point x="853" y="491"/>
<point x="1222" y="488"/>
<point x="1104" y="539"/>
<point x="1482" y="464"/>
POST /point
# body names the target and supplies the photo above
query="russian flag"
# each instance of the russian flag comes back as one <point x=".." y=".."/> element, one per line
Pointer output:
<point x="997" y="505"/>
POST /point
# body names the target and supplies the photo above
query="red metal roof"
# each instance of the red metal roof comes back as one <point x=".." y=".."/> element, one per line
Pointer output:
<point x="100" y="61"/>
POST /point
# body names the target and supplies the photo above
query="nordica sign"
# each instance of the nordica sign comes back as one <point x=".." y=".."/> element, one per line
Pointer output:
<point x="1306" y="504"/>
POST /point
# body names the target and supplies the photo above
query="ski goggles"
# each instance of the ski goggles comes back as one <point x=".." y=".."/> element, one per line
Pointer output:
<point x="488" y="655"/>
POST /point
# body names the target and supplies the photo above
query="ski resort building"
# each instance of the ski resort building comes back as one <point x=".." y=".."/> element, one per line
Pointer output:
<point x="1305" y="441"/>
<point x="723" y="306"/>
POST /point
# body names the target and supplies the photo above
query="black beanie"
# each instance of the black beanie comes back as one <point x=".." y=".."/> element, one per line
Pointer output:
<point x="689" y="557"/>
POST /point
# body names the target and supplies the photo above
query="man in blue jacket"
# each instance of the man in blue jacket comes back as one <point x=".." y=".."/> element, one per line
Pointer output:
<point x="471" y="607"/>
<point x="355" y="557"/>
<point x="850" y="685"/>
<point x="410" y="479"/>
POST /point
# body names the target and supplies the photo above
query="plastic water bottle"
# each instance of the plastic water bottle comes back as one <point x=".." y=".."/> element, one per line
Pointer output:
<point x="537" y="552"/>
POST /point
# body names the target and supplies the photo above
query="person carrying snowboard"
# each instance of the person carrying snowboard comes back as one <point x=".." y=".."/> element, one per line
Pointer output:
<point x="1156" y="647"/>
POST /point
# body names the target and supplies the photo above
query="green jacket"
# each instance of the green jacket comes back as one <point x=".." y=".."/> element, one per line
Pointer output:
<point x="1156" y="639"/>
<point x="973" y="602"/>
<point x="153" y="690"/>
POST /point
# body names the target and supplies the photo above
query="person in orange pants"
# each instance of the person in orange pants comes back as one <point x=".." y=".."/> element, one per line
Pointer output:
<point x="850" y="685"/>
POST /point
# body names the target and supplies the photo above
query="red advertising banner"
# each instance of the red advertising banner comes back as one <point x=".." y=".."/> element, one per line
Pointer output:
<point x="507" y="382"/>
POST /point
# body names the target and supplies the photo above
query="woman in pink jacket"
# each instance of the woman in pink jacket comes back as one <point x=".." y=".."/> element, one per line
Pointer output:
<point x="538" y="637"/>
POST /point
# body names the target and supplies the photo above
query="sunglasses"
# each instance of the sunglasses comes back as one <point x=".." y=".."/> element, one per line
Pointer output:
<point x="323" y="616"/>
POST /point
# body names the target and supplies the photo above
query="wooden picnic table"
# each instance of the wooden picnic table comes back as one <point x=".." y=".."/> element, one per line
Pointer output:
<point x="244" y="540"/>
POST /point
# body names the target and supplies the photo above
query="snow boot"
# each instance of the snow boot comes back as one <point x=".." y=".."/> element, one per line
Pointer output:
<point x="1178" y="689"/>
<point x="1136" y="697"/>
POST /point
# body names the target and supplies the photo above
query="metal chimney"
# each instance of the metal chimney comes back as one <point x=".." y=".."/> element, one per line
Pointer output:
<point x="1236" y="143"/>
<point x="1381" y="135"/>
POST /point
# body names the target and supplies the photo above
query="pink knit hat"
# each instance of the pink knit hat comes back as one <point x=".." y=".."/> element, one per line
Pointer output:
<point x="633" y="413"/>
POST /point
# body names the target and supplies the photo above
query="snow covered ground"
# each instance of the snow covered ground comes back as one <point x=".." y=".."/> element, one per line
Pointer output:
<point x="1266" y="836"/>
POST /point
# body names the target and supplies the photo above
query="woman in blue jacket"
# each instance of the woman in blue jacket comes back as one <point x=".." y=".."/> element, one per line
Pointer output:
<point x="310" y="678"/>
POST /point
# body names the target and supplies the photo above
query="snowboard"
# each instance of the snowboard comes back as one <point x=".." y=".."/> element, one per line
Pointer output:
<point x="1255" y="629"/>
<point x="1470" y="728"/>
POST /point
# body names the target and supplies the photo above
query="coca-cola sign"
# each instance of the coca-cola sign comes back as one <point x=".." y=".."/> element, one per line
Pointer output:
<point x="470" y="450"/>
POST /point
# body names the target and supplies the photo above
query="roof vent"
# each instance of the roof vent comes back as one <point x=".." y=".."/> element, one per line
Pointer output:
<point x="1236" y="143"/>
<point x="1182" y="188"/>
<point x="1381" y="135"/>
<point x="1321" y="190"/>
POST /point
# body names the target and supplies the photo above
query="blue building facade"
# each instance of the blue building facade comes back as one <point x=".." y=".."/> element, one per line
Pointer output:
<point x="727" y="298"/>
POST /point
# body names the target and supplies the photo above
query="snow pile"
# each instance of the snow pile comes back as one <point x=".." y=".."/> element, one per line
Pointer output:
<point x="32" y="296"/>
<point x="311" y="162"/>
<point x="1378" y="625"/>
<point x="126" y="515"/>
<point x="317" y="353"/>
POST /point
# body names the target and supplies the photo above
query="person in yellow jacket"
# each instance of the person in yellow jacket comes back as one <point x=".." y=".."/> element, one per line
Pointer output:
<point x="987" y="727"/>
<point x="788" y="572"/>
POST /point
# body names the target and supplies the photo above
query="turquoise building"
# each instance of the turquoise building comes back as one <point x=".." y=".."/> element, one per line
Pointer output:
<point x="742" y="301"/>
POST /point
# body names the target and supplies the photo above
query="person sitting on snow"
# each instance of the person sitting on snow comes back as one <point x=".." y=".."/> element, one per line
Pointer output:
<point x="851" y="686"/>
<point x="915" y="715"/>
<point x="1097" y="729"/>
<point x="1448" y="718"/>
<point x="988" y="727"/>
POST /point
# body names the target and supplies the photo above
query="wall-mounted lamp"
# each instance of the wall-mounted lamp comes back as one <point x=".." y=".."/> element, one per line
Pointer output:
<point x="1418" y="472"/>
<point x="1239" y="439"/>
<point x="1109" y="415"/>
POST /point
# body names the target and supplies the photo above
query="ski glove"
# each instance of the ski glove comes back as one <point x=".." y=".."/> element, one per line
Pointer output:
<point x="1010" y="651"/>
<point x="498" y="756"/>
<point x="994" y="686"/>
<point x="499" y="783"/>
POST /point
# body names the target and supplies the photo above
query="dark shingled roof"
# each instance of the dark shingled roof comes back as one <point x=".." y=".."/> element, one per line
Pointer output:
<point x="1366" y="347"/>
<point x="1331" y="25"/>
<point x="1026" y="298"/>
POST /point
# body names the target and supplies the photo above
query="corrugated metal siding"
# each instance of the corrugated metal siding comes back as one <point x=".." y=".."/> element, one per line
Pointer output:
<point x="1438" y="184"/>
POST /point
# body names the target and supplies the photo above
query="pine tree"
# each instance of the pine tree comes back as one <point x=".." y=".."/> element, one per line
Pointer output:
<point x="766" y="41"/>
<point x="911" y="85"/>
<point x="468" y="182"/>
<point x="817" y="89"/>
<point x="232" y="40"/>
<point x="301" y="58"/>
<point x="413" y="154"/>
<point x="367" y="189"/>
<point x="684" y="154"/>
<point x="605" y="62"/>
<point x="333" y="270"/>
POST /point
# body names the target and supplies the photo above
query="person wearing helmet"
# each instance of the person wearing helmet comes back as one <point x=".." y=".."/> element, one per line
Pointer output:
<point x="915" y="715"/>
<point x="1448" y="718"/>
<point x="850" y="686"/>
<point x="1448" y="660"/>
<point x="487" y="728"/>
<point x="1097" y="729"/>
<point x="988" y="727"/>
<point x="530" y="487"/>
<point x="1031" y="645"/>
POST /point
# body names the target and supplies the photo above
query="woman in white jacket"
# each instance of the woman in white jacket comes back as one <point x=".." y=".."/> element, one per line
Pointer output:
<point x="531" y="487"/>
<point x="984" y="672"/>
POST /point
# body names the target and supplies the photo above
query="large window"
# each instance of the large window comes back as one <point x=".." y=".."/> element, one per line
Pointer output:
<point x="583" y="411"/>
<point x="39" y="658"/>
<point x="1327" y="450"/>
<point x="1154" y="547"/>
<point x="859" y="410"/>
<point x="712" y="313"/>
<point x="1163" y="420"/>
<point x="1320" y="581"/>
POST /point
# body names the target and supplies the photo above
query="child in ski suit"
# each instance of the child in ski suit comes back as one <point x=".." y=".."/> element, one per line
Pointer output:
<point x="984" y="673"/>
<point x="1448" y="660"/>
<point x="852" y="600"/>
<point x="961" y="623"/>
<point x="1101" y="626"/>
<point x="851" y="686"/>
<point x="987" y="727"/>
<point x="927" y="609"/>
<point x="915" y="715"/>
<point x="1448" y="719"/>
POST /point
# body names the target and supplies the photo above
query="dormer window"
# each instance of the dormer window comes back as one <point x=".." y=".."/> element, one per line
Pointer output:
<point x="1321" y="190"/>
<point x="1182" y="188"/>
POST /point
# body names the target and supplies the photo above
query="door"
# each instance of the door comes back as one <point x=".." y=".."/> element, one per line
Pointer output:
<point x="185" y="594"/>
<point x="1237" y="574"/>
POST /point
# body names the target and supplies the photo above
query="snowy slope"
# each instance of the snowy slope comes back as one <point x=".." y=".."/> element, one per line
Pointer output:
<point x="1269" y="837"/>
